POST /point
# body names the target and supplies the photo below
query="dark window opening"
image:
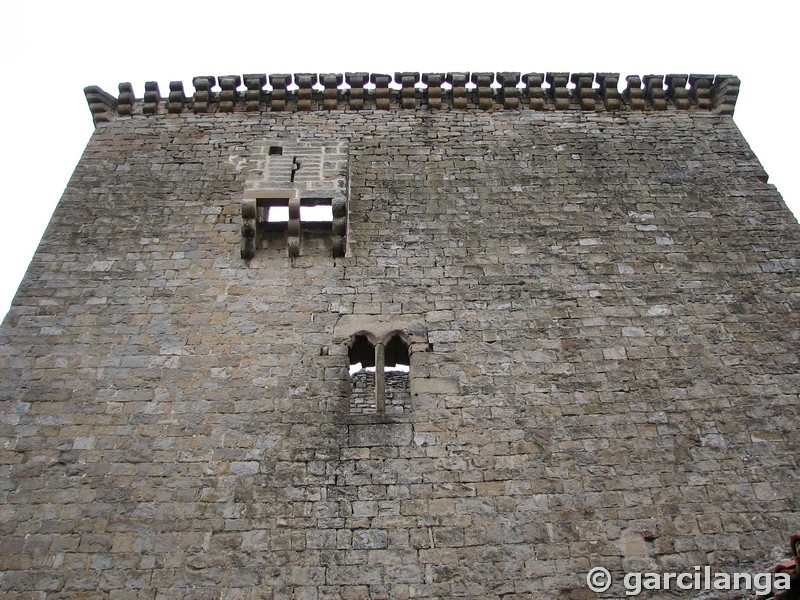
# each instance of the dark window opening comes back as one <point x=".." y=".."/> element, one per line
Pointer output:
<point x="397" y="361"/>
<point x="379" y="375"/>
<point x="361" y="354"/>
<point x="275" y="151"/>
<point x="396" y="357"/>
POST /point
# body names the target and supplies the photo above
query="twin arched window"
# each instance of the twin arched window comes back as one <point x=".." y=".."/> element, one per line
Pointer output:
<point x="379" y="372"/>
<point x="367" y="350"/>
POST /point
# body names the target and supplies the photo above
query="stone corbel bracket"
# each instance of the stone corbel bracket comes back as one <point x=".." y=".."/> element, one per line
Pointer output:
<point x="251" y="233"/>
<point x="102" y="105"/>
<point x="251" y="239"/>
<point x="339" y="226"/>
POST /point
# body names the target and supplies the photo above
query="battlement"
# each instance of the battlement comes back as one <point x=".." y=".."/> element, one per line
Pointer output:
<point x="407" y="90"/>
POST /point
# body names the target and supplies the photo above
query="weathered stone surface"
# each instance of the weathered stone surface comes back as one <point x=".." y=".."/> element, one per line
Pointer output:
<point x="380" y="434"/>
<point x="603" y="344"/>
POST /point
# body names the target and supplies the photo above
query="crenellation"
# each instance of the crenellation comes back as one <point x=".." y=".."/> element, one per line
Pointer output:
<point x="563" y="91"/>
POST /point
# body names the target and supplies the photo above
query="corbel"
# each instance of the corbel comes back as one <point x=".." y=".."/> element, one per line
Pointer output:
<point x="608" y="83"/>
<point x="533" y="81"/>
<point x="152" y="96"/>
<point x="339" y="226"/>
<point x="330" y="95"/>
<point x="408" y="93"/>
<point x="277" y="98"/>
<point x="654" y="91"/>
<point x="177" y="97"/>
<point x="509" y="91"/>
<point x="458" y="92"/>
<point x="355" y="96"/>
<point x="587" y="96"/>
<point x="484" y="82"/>
<point x="305" y="94"/>
<point x="227" y="97"/>
<point x="382" y="91"/>
<point x="102" y="105"/>
<point x="252" y="97"/>
<point x="250" y="236"/>
<point x="634" y="94"/>
<point x="558" y="90"/>
<point x="293" y="227"/>
<point x="724" y="93"/>
<point x="677" y="92"/>
<point x="700" y="93"/>
<point x="202" y="95"/>
<point x="433" y="92"/>
<point x="125" y="99"/>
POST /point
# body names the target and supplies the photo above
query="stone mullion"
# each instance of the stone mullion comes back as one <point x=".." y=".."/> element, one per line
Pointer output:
<point x="380" y="378"/>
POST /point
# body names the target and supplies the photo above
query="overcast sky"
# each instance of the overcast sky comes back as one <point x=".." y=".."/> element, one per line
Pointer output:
<point x="51" y="50"/>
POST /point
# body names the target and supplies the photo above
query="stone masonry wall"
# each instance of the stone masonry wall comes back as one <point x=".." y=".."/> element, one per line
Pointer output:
<point x="362" y="393"/>
<point x="604" y="367"/>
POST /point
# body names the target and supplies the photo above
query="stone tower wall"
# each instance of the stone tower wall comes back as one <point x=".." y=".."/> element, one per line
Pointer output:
<point x="597" y="299"/>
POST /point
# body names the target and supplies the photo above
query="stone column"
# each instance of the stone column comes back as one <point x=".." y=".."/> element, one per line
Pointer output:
<point x="380" y="378"/>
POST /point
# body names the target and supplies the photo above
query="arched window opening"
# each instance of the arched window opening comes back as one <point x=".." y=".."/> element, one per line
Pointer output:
<point x="397" y="364"/>
<point x="379" y="373"/>
<point x="396" y="355"/>
<point x="363" y="395"/>
<point x="361" y="354"/>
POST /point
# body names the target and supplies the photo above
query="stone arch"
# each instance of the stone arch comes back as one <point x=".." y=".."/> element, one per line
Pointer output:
<point x="397" y="349"/>
<point x="361" y="349"/>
